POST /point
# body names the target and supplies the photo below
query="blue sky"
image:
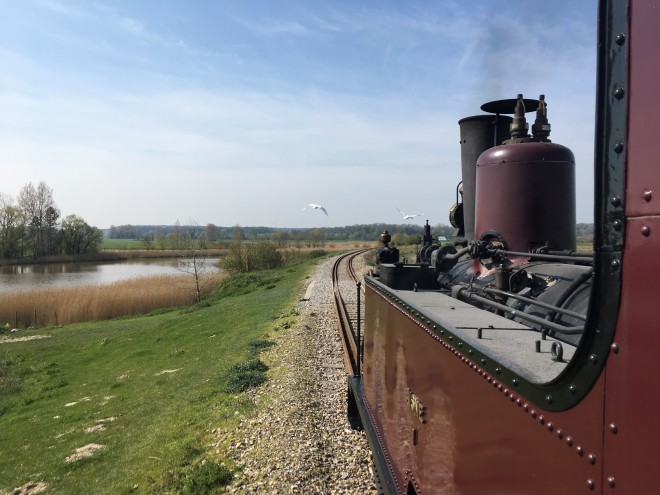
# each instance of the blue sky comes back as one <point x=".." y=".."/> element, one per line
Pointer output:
<point x="243" y="112"/>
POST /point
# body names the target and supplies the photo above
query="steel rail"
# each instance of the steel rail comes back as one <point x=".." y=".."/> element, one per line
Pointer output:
<point x="347" y="333"/>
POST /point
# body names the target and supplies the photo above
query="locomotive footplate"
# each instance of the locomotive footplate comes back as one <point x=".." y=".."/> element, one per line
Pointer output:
<point x="525" y="351"/>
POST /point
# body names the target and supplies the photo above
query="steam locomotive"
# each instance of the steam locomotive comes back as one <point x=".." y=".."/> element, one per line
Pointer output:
<point x="506" y="362"/>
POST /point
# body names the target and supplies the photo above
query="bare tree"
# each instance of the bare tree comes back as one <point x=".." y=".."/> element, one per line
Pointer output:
<point x="282" y="238"/>
<point x="42" y="215"/>
<point x="212" y="232"/>
<point x="12" y="228"/>
<point x="191" y="247"/>
<point x="315" y="238"/>
<point x="237" y="233"/>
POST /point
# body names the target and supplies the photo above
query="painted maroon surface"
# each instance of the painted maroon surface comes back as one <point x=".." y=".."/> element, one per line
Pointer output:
<point x="643" y="145"/>
<point x="526" y="193"/>
<point x="477" y="437"/>
<point x="632" y="382"/>
<point x="632" y="406"/>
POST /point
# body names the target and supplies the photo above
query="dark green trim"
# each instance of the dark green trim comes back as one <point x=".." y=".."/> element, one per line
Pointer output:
<point x="386" y="480"/>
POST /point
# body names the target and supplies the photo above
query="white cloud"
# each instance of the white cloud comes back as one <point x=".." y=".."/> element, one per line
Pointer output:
<point x="149" y="122"/>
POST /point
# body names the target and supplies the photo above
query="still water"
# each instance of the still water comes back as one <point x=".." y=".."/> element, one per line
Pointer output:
<point x="52" y="275"/>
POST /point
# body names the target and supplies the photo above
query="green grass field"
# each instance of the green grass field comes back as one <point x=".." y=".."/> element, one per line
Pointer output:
<point x="148" y="390"/>
<point x="121" y="244"/>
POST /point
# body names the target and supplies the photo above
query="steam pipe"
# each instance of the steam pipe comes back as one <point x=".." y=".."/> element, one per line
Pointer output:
<point x="548" y="257"/>
<point x="535" y="302"/>
<point x="457" y="254"/>
<point x="570" y="289"/>
<point x="461" y="292"/>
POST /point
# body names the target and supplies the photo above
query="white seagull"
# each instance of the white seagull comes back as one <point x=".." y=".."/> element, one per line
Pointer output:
<point x="316" y="207"/>
<point x="409" y="216"/>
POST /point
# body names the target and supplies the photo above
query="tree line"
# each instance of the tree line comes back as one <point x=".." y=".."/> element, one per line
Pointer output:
<point x="30" y="226"/>
<point x="166" y="236"/>
<point x="161" y="236"/>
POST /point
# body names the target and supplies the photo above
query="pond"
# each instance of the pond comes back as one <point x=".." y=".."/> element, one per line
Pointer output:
<point x="53" y="275"/>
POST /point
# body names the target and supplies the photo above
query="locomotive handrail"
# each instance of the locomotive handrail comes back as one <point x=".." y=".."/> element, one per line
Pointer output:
<point x="466" y="294"/>
<point x="536" y="302"/>
<point x="587" y="258"/>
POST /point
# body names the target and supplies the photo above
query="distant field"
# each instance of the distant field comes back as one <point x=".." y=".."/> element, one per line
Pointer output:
<point x="144" y="392"/>
<point x="121" y="244"/>
<point x="133" y="244"/>
<point x="585" y="247"/>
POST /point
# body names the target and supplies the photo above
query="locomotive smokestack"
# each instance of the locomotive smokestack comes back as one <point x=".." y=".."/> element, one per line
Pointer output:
<point x="478" y="133"/>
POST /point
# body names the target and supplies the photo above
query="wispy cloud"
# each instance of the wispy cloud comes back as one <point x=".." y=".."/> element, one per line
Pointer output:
<point x="271" y="26"/>
<point x="131" y="104"/>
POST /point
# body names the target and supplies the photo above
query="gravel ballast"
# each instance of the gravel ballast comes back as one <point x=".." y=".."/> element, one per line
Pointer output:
<point x="299" y="440"/>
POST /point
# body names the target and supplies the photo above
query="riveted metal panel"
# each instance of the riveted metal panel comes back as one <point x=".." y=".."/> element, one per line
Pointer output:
<point x="450" y="426"/>
<point x="643" y="194"/>
<point x="631" y="427"/>
<point x="631" y="431"/>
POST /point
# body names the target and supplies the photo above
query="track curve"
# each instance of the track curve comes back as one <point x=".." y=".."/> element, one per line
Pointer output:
<point x="348" y="308"/>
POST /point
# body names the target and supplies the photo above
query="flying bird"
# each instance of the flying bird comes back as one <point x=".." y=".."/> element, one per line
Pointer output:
<point x="409" y="216"/>
<point x="316" y="207"/>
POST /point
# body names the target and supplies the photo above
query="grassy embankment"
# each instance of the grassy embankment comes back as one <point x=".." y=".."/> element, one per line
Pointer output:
<point x="147" y="389"/>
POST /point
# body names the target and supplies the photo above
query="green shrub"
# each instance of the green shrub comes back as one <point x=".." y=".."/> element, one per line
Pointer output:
<point x="245" y="257"/>
<point x="244" y="376"/>
<point x="194" y="478"/>
<point x="256" y="346"/>
<point x="204" y="476"/>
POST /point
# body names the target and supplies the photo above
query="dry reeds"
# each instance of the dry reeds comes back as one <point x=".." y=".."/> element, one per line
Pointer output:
<point x="62" y="306"/>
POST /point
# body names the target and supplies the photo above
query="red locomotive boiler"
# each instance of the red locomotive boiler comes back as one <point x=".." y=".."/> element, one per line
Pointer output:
<point x="508" y="363"/>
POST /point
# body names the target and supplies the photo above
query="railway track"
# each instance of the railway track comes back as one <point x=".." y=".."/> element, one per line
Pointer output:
<point x="348" y="304"/>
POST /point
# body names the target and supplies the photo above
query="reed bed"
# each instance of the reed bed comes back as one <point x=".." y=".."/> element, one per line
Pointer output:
<point x="62" y="306"/>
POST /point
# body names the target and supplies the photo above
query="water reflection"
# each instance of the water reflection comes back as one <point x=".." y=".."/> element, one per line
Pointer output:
<point x="50" y="275"/>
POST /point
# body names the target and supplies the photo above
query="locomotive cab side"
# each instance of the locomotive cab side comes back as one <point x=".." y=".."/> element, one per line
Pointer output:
<point x="510" y="363"/>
